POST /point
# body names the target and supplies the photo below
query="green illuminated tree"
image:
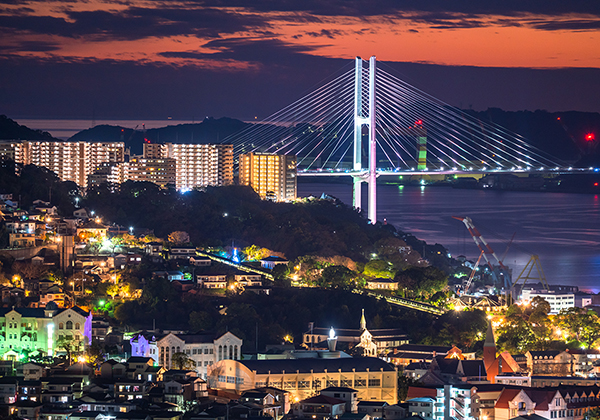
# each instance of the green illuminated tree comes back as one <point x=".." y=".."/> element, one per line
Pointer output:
<point x="379" y="269"/>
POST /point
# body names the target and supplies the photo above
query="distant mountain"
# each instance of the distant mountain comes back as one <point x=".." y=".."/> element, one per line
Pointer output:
<point x="11" y="130"/>
<point x="560" y="134"/>
<point x="208" y="131"/>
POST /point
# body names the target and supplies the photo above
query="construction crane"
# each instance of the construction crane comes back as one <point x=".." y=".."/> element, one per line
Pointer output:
<point x="472" y="275"/>
<point x="497" y="272"/>
<point x="528" y="273"/>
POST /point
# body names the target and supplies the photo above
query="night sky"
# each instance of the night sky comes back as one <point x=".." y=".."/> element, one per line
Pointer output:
<point x="246" y="58"/>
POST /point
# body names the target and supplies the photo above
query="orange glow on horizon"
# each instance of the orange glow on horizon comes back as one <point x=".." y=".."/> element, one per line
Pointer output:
<point x="499" y="41"/>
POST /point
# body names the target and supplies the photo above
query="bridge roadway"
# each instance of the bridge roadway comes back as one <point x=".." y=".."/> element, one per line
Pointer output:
<point x="364" y="173"/>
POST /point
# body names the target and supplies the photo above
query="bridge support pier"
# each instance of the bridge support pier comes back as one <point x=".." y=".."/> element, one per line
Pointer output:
<point x="359" y="121"/>
<point x="372" y="145"/>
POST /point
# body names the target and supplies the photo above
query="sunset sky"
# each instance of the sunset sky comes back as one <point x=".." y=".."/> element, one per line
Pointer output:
<point x="245" y="58"/>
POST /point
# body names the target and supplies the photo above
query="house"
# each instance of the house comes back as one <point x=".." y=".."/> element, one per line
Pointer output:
<point x="320" y="407"/>
<point x="382" y="284"/>
<point x="21" y="240"/>
<point x="375" y="409"/>
<point x="93" y="228"/>
<point x="272" y="261"/>
<point x="154" y="249"/>
<point x="33" y="371"/>
<point x="212" y="281"/>
<point x="248" y="279"/>
<point x="144" y="347"/>
<point x="182" y="252"/>
<point x="407" y="354"/>
<point x="200" y="261"/>
<point x="346" y="394"/>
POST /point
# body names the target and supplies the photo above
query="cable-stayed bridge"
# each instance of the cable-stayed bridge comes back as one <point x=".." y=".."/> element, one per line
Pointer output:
<point x="365" y="122"/>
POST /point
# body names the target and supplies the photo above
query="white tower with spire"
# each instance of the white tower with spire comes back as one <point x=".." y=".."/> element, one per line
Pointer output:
<point x="363" y="321"/>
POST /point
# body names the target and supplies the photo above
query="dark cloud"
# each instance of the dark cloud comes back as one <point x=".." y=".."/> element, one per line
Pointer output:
<point x="263" y="52"/>
<point x="327" y="33"/>
<point x="361" y="8"/>
<point x="30" y="46"/>
<point x="136" y="23"/>
<point x="570" y="25"/>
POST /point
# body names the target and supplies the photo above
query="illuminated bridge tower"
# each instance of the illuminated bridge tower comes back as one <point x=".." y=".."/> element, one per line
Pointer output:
<point x="369" y="120"/>
<point x="421" y="135"/>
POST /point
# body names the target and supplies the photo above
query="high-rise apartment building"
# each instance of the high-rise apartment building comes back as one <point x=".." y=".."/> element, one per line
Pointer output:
<point x="71" y="161"/>
<point x="186" y="166"/>
<point x="272" y="176"/>
<point x="197" y="165"/>
<point x="160" y="171"/>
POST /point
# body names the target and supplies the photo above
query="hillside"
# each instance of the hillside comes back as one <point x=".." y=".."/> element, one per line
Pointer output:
<point x="11" y="130"/>
<point x="208" y="131"/>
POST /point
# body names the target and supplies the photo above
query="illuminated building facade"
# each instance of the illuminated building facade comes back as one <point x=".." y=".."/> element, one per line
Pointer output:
<point x="31" y="329"/>
<point x="272" y="176"/>
<point x="203" y="350"/>
<point x="371" y="377"/>
<point x="197" y="165"/>
<point x="71" y="161"/>
<point x="160" y="171"/>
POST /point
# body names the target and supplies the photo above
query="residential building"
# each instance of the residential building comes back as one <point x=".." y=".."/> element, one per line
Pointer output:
<point x="382" y="284"/>
<point x="160" y="171"/>
<point x="320" y="407"/>
<point x="556" y="299"/>
<point x="40" y="328"/>
<point x="272" y="261"/>
<point x="212" y="281"/>
<point x="373" y="378"/>
<point x="204" y="350"/>
<point x="70" y="160"/>
<point x="197" y="165"/>
<point x="272" y="176"/>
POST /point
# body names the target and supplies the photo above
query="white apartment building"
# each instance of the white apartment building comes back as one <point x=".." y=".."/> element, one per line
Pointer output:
<point x="197" y="165"/>
<point x="202" y="349"/>
<point x="557" y="300"/>
<point x="71" y="161"/>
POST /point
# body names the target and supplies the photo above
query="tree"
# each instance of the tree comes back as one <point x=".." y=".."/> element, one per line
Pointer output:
<point x="404" y="382"/>
<point x="338" y="277"/>
<point x="95" y="354"/>
<point x="593" y="414"/>
<point x="200" y="320"/>
<point x="112" y="290"/>
<point x="179" y="237"/>
<point x="379" y="269"/>
<point x="68" y="344"/>
<point x="181" y="361"/>
<point x="580" y="325"/>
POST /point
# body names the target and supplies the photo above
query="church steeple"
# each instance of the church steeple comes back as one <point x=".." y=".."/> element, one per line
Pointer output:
<point x="363" y="321"/>
<point x="489" y="347"/>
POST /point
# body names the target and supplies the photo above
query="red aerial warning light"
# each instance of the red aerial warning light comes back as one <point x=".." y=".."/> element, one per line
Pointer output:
<point x="595" y="184"/>
<point x="419" y="122"/>
<point x="590" y="137"/>
<point x="557" y="118"/>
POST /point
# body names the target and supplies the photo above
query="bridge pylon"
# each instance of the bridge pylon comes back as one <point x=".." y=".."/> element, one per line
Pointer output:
<point x="369" y="120"/>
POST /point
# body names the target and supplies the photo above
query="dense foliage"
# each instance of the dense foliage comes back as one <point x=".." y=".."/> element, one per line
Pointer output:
<point x="225" y="215"/>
